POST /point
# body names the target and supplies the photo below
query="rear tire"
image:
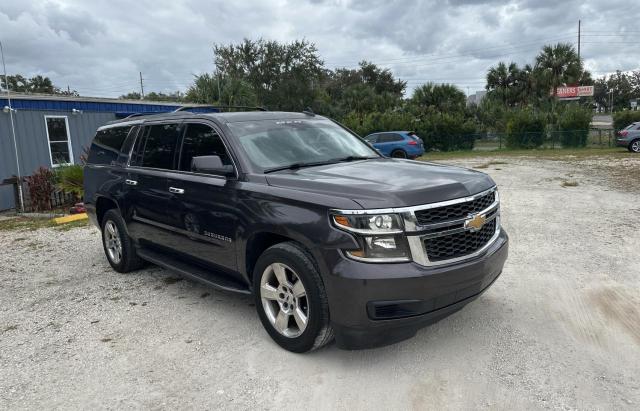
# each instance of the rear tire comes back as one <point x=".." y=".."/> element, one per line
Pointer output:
<point x="290" y="298"/>
<point x="634" y="146"/>
<point x="399" y="154"/>
<point x="118" y="246"/>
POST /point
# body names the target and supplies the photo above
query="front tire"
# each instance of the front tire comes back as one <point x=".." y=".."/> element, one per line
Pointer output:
<point x="399" y="154"/>
<point x="634" y="146"/>
<point x="117" y="245"/>
<point x="290" y="298"/>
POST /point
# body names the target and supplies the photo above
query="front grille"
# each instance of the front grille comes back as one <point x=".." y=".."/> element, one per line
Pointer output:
<point x="455" y="211"/>
<point x="459" y="244"/>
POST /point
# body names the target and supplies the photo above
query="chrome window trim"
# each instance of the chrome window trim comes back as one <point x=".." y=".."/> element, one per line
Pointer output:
<point x="182" y="123"/>
<point x="415" y="233"/>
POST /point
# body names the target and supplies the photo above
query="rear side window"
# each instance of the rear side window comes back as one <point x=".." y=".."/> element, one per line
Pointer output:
<point x="107" y="144"/>
<point x="160" y="146"/>
<point x="201" y="140"/>
<point x="156" y="146"/>
<point x="389" y="137"/>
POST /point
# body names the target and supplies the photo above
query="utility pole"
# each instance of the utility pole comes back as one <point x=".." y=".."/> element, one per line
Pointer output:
<point x="578" y="40"/>
<point x="141" y="88"/>
<point x="13" y="131"/>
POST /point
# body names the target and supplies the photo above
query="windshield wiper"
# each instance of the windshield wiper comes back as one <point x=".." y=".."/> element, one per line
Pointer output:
<point x="296" y="166"/>
<point x="354" y="158"/>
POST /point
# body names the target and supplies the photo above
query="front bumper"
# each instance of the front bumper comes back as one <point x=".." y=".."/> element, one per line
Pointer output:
<point x="378" y="304"/>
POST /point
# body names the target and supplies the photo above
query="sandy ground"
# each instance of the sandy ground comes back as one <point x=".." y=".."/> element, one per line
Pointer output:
<point x="560" y="329"/>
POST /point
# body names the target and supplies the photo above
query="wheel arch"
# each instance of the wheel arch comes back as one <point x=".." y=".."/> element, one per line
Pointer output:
<point x="260" y="241"/>
<point x="104" y="204"/>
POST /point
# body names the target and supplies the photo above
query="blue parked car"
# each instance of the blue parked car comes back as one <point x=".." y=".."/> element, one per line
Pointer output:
<point x="398" y="144"/>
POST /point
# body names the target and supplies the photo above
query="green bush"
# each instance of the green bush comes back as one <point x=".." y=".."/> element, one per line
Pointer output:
<point x="70" y="179"/>
<point x="525" y="129"/>
<point x="446" y="132"/>
<point x="364" y="124"/>
<point x="573" y="126"/>
<point x="621" y="119"/>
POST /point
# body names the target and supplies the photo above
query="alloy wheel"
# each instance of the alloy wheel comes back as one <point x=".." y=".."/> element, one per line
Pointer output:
<point x="284" y="300"/>
<point x="635" y="146"/>
<point x="112" y="242"/>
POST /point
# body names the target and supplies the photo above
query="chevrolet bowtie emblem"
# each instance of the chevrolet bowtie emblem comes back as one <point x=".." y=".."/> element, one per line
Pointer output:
<point x="476" y="223"/>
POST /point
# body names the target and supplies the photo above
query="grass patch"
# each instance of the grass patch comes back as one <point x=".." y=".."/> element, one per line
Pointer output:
<point x="21" y="223"/>
<point x="25" y="224"/>
<point x="559" y="153"/>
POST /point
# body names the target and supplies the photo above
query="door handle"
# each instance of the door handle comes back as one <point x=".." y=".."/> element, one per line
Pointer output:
<point x="131" y="182"/>
<point x="176" y="190"/>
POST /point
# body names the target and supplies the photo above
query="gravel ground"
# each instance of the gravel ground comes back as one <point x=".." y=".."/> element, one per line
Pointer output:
<point x="560" y="329"/>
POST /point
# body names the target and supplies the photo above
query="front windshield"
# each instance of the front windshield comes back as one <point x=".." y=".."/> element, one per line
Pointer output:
<point x="272" y="144"/>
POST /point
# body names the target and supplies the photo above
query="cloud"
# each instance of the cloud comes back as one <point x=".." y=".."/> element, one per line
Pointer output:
<point x="100" y="47"/>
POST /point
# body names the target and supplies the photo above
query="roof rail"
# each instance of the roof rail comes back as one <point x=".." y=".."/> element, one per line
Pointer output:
<point x="185" y="108"/>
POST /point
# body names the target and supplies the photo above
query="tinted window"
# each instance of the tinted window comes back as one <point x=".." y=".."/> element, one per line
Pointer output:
<point x="138" y="148"/>
<point x="371" y="139"/>
<point x="389" y="137"/>
<point x="160" y="146"/>
<point x="201" y="140"/>
<point x="107" y="144"/>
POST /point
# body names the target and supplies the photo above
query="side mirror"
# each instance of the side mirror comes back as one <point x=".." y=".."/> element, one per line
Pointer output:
<point x="211" y="165"/>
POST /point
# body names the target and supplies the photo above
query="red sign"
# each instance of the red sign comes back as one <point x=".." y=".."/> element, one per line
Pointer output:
<point x="572" y="92"/>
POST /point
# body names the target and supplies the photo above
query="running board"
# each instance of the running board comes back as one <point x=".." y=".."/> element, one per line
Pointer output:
<point x="210" y="278"/>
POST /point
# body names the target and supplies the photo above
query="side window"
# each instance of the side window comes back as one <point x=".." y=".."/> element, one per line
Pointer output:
<point x="107" y="144"/>
<point x="138" y="148"/>
<point x="372" y="138"/>
<point x="160" y="146"/>
<point x="201" y="140"/>
<point x="394" y="137"/>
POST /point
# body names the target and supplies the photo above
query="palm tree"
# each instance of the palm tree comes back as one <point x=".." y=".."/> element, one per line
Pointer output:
<point x="502" y="81"/>
<point x="559" y="65"/>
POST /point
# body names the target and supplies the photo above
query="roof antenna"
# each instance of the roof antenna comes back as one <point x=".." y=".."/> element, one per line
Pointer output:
<point x="308" y="111"/>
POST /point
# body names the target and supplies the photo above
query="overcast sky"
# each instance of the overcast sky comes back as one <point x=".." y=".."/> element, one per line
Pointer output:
<point x="98" y="47"/>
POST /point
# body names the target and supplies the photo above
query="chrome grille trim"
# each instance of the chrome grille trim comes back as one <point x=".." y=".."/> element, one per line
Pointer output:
<point x="418" y="234"/>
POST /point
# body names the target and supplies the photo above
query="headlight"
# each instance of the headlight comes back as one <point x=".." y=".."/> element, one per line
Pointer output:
<point x="369" y="223"/>
<point x="381" y="236"/>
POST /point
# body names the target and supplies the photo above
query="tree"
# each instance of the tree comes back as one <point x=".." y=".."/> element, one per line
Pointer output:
<point x="282" y="76"/>
<point x="443" y="98"/>
<point x="618" y="89"/>
<point x="558" y="65"/>
<point x="221" y="90"/>
<point x="36" y="84"/>
<point x="366" y="88"/>
<point x="500" y="80"/>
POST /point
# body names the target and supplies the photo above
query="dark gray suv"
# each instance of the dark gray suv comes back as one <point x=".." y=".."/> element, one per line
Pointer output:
<point x="629" y="137"/>
<point x="330" y="237"/>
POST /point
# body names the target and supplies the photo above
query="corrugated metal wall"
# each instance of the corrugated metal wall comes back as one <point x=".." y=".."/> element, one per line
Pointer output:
<point x="32" y="141"/>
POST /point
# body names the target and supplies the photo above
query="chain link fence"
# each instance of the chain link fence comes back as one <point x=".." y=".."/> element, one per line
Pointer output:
<point x="595" y="138"/>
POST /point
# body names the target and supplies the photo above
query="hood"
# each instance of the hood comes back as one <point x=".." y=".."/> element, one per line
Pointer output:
<point x="385" y="182"/>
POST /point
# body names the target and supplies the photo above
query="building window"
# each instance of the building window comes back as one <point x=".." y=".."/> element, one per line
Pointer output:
<point x="59" y="140"/>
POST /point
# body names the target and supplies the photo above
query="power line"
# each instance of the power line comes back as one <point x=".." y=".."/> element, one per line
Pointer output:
<point x="466" y="53"/>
